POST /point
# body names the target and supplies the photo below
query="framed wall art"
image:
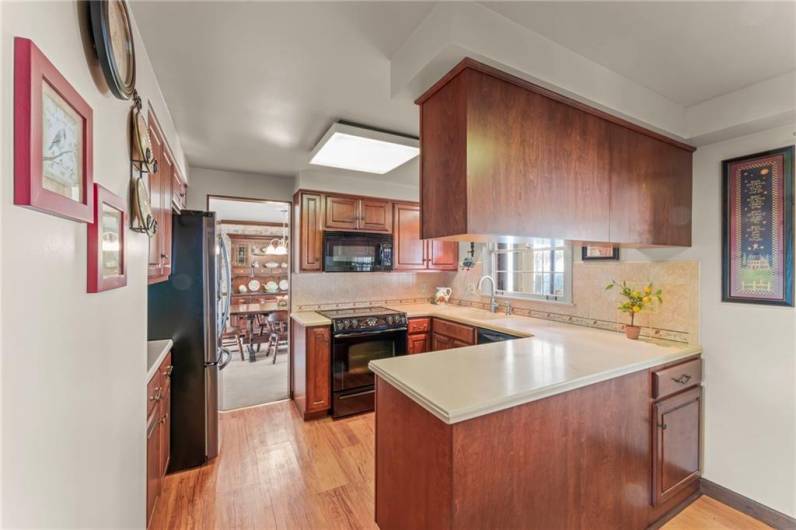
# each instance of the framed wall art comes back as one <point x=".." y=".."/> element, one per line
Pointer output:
<point x="52" y="138"/>
<point x="599" y="252"/>
<point x="757" y="228"/>
<point x="107" y="257"/>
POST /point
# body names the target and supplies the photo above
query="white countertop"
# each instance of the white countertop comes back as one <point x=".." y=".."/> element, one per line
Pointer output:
<point x="156" y="352"/>
<point x="464" y="383"/>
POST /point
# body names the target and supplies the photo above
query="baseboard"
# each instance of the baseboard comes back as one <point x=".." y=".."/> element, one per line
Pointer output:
<point x="746" y="505"/>
<point x="671" y="514"/>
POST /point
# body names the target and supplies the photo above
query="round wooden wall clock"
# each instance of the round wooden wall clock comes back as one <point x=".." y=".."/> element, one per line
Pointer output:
<point x="113" y="40"/>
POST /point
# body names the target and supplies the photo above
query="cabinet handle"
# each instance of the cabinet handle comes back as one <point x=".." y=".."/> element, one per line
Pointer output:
<point x="662" y="426"/>
<point x="683" y="379"/>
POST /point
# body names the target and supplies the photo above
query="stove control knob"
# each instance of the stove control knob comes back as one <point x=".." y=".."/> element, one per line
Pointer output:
<point x="353" y="323"/>
<point x="372" y="322"/>
<point x="389" y="320"/>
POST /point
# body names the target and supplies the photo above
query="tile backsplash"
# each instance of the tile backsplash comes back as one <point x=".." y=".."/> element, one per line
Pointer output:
<point x="346" y="289"/>
<point x="676" y="319"/>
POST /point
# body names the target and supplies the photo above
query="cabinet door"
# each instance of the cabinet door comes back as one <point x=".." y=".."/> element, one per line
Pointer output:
<point x="440" y="342"/>
<point x="167" y="174"/>
<point x="409" y="249"/>
<point x="443" y="255"/>
<point x="165" y="430"/>
<point x="155" y="265"/>
<point x="675" y="443"/>
<point x="152" y="462"/>
<point x="375" y="215"/>
<point x="418" y="343"/>
<point x="650" y="190"/>
<point x="311" y="236"/>
<point x="319" y="365"/>
<point x="342" y="213"/>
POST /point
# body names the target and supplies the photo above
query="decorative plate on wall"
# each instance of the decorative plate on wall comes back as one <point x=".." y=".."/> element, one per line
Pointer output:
<point x="142" y="143"/>
<point x="113" y="41"/>
<point x="142" y="218"/>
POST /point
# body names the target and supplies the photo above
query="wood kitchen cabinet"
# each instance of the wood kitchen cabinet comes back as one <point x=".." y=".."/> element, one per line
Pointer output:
<point x="418" y="335"/>
<point x="447" y="334"/>
<point x="310" y="348"/>
<point x="411" y="252"/>
<point x="501" y="156"/>
<point x="167" y="192"/>
<point x="359" y="214"/>
<point x="308" y="229"/>
<point x="676" y="416"/>
<point x="158" y="432"/>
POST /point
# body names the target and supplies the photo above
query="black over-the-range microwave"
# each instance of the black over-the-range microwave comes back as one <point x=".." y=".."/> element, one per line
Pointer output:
<point x="357" y="252"/>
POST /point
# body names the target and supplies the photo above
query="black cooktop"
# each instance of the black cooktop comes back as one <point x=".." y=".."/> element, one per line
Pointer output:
<point x="350" y="312"/>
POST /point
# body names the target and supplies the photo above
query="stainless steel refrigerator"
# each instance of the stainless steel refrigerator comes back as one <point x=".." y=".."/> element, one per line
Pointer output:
<point x="185" y="309"/>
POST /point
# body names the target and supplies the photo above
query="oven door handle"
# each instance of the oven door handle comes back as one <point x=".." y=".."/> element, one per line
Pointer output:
<point x="367" y="333"/>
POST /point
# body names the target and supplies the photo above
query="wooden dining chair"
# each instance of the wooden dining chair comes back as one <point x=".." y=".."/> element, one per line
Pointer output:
<point x="233" y="335"/>
<point x="277" y="322"/>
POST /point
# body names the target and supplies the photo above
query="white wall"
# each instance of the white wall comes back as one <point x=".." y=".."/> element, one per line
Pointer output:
<point x="206" y="182"/>
<point x="74" y="364"/>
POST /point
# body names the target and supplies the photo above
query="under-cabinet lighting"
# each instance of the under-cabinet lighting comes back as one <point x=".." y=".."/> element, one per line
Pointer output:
<point x="347" y="146"/>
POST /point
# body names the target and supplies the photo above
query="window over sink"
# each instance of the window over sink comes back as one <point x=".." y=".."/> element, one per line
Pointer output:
<point x="537" y="269"/>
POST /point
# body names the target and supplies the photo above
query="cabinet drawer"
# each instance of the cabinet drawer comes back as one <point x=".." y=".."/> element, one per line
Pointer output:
<point x="454" y="330"/>
<point x="419" y="325"/>
<point x="676" y="378"/>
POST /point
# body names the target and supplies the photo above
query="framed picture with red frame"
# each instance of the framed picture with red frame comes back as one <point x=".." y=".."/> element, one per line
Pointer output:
<point x="107" y="256"/>
<point x="52" y="138"/>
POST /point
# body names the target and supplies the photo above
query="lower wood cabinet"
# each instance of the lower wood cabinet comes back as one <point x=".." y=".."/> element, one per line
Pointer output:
<point x="447" y="334"/>
<point x="676" y="422"/>
<point x="158" y="433"/>
<point x="311" y="352"/>
<point x="418" y="335"/>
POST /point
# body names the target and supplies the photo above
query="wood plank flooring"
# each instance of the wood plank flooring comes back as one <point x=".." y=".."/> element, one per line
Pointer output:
<point x="277" y="471"/>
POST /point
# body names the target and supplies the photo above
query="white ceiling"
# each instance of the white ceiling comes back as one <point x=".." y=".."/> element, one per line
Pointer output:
<point x="688" y="52"/>
<point x="252" y="86"/>
<point x="260" y="211"/>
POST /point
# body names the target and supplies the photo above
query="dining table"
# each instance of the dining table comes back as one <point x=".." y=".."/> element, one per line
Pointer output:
<point x="250" y="312"/>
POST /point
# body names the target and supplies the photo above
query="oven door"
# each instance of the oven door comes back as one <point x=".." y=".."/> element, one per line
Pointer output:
<point x="356" y="252"/>
<point x="352" y="352"/>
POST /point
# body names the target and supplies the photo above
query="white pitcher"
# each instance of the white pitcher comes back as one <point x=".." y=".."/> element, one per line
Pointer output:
<point x="442" y="295"/>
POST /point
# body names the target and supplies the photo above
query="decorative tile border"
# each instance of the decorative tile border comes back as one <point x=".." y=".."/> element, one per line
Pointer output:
<point x="655" y="333"/>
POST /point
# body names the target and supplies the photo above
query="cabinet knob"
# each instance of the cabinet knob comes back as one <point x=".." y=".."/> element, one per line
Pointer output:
<point x="683" y="379"/>
<point x="662" y="426"/>
<point x="164" y="256"/>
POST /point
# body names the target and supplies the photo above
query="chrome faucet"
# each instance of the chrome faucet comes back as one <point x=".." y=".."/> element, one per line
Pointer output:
<point x="492" y="303"/>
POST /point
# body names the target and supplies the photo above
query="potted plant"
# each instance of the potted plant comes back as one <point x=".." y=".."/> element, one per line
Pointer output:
<point x="636" y="302"/>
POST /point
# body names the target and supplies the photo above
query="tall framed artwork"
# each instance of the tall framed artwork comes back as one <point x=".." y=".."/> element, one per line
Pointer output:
<point x="52" y="138"/>
<point x="107" y="257"/>
<point x="757" y="228"/>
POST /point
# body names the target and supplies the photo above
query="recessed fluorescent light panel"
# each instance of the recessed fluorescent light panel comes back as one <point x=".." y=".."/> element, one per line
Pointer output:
<point x="359" y="149"/>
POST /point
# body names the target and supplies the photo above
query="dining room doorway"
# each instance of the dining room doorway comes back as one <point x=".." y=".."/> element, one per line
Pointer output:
<point x="253" y="241"/>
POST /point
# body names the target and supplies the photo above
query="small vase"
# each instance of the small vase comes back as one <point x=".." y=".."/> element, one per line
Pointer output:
<point x="632" y="332"/>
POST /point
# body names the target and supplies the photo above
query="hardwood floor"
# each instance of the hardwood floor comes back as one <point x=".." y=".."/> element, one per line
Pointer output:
<point x="277" y="471"/>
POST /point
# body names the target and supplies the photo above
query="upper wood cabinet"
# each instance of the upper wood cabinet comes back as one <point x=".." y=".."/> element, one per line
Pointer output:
<point x="309" y="228"/>
<point x="411" y="252"/>
<point x="352" y="213"/>
<point x="501" y="156"/>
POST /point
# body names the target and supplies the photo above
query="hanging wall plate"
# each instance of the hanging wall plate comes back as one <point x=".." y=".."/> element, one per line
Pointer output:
<point x="113" y="41"/>
<point x="142" y="219"/>
<point x="142" y="143"/>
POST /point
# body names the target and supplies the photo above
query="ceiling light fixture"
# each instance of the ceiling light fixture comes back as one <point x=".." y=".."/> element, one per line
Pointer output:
<point x="347" y="146"/>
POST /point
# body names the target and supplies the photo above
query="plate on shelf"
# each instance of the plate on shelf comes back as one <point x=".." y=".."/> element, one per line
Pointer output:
<point x="271" y="287"/>
<point x="272" y="265"/>
<point x="284" y="264"/>
<point x="284" y="284"/>
<point x="254" y="285"/>
<point x="242" y="289"/>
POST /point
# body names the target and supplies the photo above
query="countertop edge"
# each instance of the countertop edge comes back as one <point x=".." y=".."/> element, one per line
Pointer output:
<point x="452" y="417"/>
<point x="165" y="346"/>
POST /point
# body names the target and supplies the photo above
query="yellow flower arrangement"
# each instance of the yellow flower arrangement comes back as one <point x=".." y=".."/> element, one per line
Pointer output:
<point x="637" y="300"/>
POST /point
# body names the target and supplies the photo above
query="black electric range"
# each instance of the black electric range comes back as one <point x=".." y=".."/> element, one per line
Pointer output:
<point x="361" y="335"/>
